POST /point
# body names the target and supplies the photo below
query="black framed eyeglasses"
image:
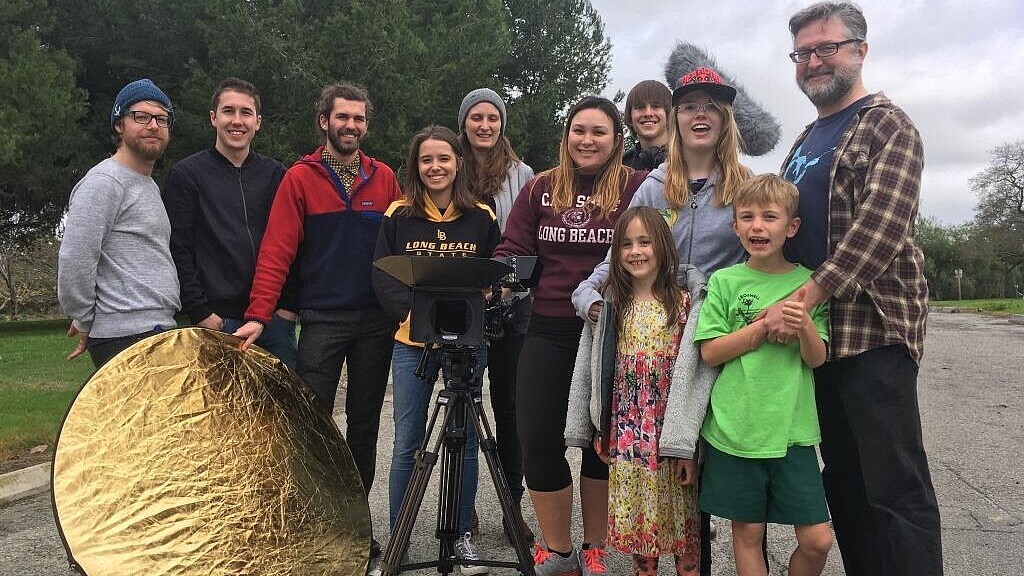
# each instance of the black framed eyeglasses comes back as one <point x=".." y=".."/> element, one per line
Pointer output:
<point x="821" y="50"/>
<point x="145" y="118"/>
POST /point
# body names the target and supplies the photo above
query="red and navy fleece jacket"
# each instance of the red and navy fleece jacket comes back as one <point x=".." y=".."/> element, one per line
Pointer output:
<point x="453" y="234"/>
<point x="328" y="232"/>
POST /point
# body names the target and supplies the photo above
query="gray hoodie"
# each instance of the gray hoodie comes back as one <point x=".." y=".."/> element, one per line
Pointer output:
<point x="115" y="275"/>
<point x="518" y="175"/>
<point x="702" y="231"/>
<point x="593" y="378"/>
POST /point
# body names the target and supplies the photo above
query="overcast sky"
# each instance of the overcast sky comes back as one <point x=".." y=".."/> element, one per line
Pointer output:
<point x="956" y="67"/>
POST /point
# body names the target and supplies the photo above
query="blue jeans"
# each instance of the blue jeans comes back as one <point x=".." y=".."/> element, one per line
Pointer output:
<point x="412" y="398"/>
<point x="278" y="337"/>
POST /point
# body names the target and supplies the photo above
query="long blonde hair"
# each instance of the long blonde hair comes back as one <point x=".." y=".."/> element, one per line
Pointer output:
<point x="612" y="177"/>
<point x="730" y="172"/>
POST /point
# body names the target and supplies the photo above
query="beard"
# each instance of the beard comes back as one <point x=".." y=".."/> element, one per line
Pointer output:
<point x="342" y="148"/>
<point x="145" y="149"/>
<point x="842" y="81"/>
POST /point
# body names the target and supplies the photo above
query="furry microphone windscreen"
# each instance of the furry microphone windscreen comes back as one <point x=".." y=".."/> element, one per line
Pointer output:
<point x="759" y="130"/>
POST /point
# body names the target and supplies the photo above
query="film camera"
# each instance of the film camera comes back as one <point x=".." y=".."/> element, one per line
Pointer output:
<point x="448" y="306"/>
<point x="498" y="311"/>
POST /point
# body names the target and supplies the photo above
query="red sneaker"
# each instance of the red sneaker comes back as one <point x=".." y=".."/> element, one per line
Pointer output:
<point x="592" y="560"/>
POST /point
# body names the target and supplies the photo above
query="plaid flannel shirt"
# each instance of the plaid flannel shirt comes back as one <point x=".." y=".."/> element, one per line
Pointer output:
<point x="874" y="270"/>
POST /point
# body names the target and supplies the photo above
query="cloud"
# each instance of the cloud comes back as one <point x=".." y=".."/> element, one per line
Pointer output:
<point x="956" y="67"/>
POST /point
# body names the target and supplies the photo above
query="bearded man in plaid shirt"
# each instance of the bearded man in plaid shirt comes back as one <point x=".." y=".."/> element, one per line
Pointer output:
<point x="858" y="168"/>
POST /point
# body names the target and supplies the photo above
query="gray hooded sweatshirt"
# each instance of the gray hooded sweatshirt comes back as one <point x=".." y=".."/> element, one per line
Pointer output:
<point x="688" y="397"/>
<point x="702" y="231"/>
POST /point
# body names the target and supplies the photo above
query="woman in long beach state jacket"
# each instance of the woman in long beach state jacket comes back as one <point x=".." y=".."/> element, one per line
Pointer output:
<point x="438" y="218"/>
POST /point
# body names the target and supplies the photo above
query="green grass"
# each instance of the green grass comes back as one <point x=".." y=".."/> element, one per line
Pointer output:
<point x="995" y="306"/>
<point x="36" y="383"/>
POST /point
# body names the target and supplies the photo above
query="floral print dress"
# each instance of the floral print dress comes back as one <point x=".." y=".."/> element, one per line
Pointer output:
<point x="650" y="513"/>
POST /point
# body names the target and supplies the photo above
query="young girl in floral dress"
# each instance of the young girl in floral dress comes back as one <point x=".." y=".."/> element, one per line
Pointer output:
<point x="640" y="391"/>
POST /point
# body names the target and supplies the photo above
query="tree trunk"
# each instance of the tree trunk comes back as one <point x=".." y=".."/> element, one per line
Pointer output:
<point x="8" y="276"/>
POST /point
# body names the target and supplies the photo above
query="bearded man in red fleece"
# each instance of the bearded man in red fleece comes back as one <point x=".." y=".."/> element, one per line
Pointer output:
<point x="324" y="221"/>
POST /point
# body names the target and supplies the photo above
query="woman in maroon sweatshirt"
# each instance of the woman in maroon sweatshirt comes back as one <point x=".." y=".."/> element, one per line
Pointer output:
<point x="565" y="216"/>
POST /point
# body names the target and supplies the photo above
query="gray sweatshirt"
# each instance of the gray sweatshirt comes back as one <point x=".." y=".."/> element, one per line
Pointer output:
<point x="115" y="275"/>
<point x="702" y="231"/>
<point x="518" y="175"/>
<point x="504" y="198"/>
<point x="590" y="391"/>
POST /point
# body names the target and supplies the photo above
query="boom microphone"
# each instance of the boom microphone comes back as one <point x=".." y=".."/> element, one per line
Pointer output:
<point x="759" y="130"/>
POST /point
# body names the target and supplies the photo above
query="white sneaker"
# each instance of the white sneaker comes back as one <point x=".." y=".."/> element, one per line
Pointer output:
<point x="464" y="550"/>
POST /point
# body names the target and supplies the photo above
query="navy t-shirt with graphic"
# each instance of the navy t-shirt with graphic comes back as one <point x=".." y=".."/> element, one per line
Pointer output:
<point x="810" y="169"/>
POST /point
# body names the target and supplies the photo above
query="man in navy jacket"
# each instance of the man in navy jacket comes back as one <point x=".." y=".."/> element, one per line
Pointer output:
<point x="218" y="201"/>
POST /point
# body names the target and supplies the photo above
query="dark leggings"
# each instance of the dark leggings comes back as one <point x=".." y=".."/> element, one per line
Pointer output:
<point x="542" y="398"/>
<point x="502" y="357"/>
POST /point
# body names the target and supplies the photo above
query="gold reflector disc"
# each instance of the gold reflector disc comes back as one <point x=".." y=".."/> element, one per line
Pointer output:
<point x="183" y="455"/>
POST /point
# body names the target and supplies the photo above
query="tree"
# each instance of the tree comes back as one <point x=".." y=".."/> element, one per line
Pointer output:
<point x="939" y="245"/>
<point x="41" y="146"/>
<point x="417" y="59"/>
<point x="969" y="248"/>
<point x="559" y="54"/>
<point x="999" y="214"/>
<point x="36" y="267"/>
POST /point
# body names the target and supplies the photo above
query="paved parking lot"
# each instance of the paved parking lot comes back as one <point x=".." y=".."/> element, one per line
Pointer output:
<point x="972" y="403"/>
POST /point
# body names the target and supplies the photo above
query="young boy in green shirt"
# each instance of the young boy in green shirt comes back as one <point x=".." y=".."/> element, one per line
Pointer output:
<point x="762" y="424"/>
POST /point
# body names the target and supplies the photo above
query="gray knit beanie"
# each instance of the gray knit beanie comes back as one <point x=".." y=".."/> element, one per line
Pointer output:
<point x="138" y="91"/>
<point x="477" y="96"/>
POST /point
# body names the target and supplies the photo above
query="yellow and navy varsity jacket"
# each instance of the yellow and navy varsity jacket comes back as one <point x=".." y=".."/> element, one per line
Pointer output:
<point x="452" y="234"/>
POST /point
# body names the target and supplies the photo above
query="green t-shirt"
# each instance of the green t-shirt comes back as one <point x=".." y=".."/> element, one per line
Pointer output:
<point x="763" y="401"/>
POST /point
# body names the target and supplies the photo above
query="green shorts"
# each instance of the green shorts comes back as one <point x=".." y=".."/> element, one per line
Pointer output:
<point x="785" y="490"/>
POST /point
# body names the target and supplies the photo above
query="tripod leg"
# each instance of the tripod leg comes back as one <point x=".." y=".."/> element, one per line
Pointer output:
<point x="406" y="520"/>
<point x="489" y="447"/>
<point x="449" y="501"/>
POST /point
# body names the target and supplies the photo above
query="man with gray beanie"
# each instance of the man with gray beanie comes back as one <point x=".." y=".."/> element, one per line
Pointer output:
<point x="115" y="276"/>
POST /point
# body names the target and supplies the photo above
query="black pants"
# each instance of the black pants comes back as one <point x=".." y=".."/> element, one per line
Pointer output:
<point x="502" y="361"/>
<point x="363" y="341"/>
<point x="876" y="474"/>
<point x="101" y="350"/>
<point x="542" y="400"/>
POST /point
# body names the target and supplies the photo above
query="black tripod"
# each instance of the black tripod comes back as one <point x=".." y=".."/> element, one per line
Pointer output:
<point x="461" y="402"/>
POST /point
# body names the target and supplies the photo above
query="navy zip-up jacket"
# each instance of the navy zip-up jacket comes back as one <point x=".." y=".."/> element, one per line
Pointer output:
<point x="218" y="215"/>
